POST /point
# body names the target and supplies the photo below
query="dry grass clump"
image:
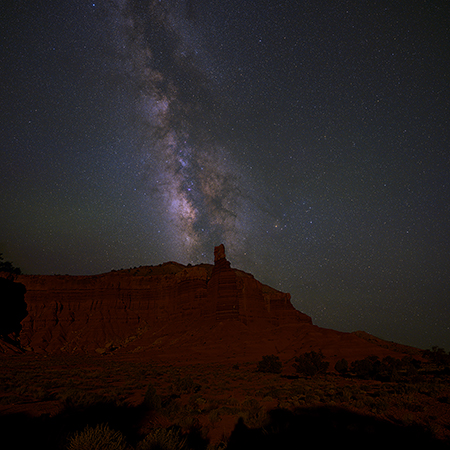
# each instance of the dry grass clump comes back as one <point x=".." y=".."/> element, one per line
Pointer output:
<point x="163" y="439"/>
<point x="100" y="437"/>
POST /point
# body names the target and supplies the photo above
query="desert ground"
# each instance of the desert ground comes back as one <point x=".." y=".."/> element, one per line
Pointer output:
<point x="173" y="357"/>
<point x="50" y="401"/>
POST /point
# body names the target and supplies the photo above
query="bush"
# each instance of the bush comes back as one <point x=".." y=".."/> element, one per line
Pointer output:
<point x="99" y="438"/>
<point x="214" y="416"/>
<point x="7" y="266"/>
<point x="411" y="366"/>
<point x="73" y="399"/>
<point x="270" y="364"/>
<point x="186" y="385"/>
<point x="13" y="308"/>
<point x="341" y="366"/>
<point x="366" y="368"/>
<point x="310" y="363"/>
<point x="163" y="439"/>
<point x="437" y="356"/>
<point x="252" y="412"/>
<point x="388" y="369"/>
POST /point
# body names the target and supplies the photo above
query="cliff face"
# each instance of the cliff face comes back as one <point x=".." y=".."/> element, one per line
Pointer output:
<point x="138" y="308"/>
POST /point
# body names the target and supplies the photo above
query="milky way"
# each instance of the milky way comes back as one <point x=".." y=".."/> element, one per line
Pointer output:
<point x="311" y="138"/>
<point x="191" y="176"/>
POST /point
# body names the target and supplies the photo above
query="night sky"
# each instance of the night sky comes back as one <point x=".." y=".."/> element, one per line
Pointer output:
<point x="312" y="138"/>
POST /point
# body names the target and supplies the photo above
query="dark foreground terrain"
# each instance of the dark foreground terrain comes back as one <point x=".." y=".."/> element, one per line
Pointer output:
<point x="71" y="402"/>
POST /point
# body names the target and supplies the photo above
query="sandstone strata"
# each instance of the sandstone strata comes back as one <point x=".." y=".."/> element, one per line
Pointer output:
<point x="174" y="312"/>
<point x="109" y="311"/>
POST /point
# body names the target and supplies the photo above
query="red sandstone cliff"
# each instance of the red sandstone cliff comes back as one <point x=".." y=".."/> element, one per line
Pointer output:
<point x="108" y="311"/>
<point x="172" y="311"/>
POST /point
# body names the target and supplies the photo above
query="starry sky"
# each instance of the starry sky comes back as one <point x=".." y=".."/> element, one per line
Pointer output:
<point x="312" y="138"/>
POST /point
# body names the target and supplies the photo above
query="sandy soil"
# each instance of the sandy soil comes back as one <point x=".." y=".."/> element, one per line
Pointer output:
<point x="210" y="396"/>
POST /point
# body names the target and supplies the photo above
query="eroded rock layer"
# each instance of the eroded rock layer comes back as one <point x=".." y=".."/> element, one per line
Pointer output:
<point x="171" y="313"/>
<point x="137" y="308"/>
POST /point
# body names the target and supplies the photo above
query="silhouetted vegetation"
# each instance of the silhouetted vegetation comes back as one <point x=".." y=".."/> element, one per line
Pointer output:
<point x="99" y="437"/>
<point x="7" y="266"/>
<point x="185" y="385"/>
<point x="171" y="438"/>
<point x="438" y="356"/>
<point x="310" y="363"/>
<point x="270" y="364"/>
<point x="387" y="369"/>
<point x="13" y="308"/>
<point x="341" y="366"/>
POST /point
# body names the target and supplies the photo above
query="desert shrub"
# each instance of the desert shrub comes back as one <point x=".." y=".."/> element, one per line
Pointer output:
<point x="80" y="400"/>
<point x="197" y="403"/>
<point x="437" y="356"/>
<point x="388" y="369"/>
<point x="252" y="412"/>
<point x="7" y="266"/>
<point x="99" y="438"/>
<point x="214" y="416"/>
<point x="171" y="407"/>
<point x="163" y="439"/>
<point x="366" y="368"/>
<point x="310" y="363"/>
<point x="231" y="401"/>
<point x="343" y="394"/>
<point x="152" y="401"/>
<point x="13" y="308"/>
<point x="272" y="392"/>
<point x="311" y="399"/>
<point x="411" y="366"/>
<point x="270" y="364"/>
<point x="341" y="366"/>
<point x="433" y="389"/>
<point x="185" y="385"/>
<point x="251" y="404"/>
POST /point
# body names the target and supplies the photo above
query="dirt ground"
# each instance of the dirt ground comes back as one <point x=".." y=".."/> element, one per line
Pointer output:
<point x="212" y="398"/>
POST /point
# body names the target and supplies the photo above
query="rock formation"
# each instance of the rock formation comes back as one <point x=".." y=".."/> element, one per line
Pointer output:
<point x="172" y="311"/>
<point x="73" y="313"/>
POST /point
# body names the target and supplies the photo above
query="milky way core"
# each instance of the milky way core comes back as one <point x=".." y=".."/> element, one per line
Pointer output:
<point x="202" y="196"/>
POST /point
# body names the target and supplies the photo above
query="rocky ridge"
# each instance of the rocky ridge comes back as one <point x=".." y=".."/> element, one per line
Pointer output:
<point x="174" y="312"/>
